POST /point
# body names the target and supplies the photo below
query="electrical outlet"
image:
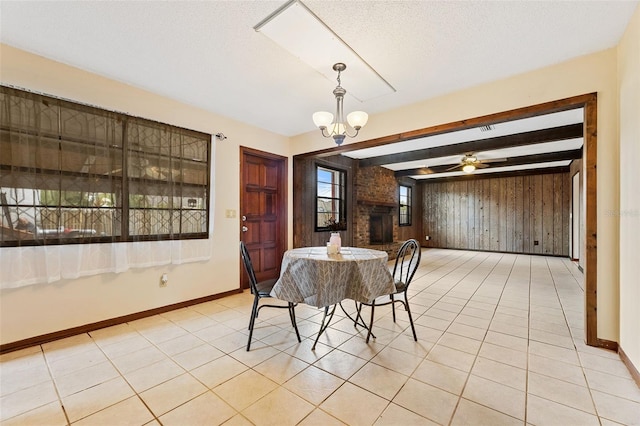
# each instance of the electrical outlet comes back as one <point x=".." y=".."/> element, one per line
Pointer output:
<point x="164" y="280"/>
<point x="427" y="238"/>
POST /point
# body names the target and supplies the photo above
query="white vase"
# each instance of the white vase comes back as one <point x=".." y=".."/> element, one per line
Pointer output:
<point x="335" y="240"/>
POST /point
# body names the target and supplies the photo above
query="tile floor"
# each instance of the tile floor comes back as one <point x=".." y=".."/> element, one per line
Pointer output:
<point x="500" y="343"/>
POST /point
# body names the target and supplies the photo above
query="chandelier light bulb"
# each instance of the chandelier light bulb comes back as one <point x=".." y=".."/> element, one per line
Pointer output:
<point x="340" y="128"/>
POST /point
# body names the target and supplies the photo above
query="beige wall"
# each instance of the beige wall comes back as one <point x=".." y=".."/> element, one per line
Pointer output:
<point x="592" y="73"/>
<point x="39" y="309"/>
<point x="629" y="211"/>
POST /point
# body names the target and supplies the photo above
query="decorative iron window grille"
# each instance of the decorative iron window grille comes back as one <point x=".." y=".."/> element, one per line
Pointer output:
<point x="72" y="173"/>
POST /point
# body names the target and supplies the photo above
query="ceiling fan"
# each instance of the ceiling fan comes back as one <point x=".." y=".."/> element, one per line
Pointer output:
<point x="470" y="162"/>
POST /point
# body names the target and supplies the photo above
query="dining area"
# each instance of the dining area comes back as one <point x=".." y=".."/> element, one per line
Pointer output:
<point x="327" y="277"/>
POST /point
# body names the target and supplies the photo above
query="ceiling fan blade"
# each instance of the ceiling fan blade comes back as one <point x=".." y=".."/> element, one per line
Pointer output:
<point x="480" y="165"/>
<point x="492" y="160"/>
<point x="453" y="168"/>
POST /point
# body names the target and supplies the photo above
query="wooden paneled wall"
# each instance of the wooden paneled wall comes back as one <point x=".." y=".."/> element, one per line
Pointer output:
<point x="521" y="214"/>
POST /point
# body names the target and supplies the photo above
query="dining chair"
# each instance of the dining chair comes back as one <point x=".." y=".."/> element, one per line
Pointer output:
<point x="406" y="264"/>
<point x="262" y="290"/>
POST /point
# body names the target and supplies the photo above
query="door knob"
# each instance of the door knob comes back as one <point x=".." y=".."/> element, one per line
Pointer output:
<point x="244" y="218"/>
<point x="245" y="229"/>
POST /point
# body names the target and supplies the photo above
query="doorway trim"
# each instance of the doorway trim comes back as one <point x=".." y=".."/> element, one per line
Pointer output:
<point x="589" y="156"/>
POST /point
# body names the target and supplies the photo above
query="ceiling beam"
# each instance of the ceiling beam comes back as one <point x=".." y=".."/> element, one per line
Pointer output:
<point x="553" y="134"/>
<point x="515" y="161"/>
<point x="512" y="173"/>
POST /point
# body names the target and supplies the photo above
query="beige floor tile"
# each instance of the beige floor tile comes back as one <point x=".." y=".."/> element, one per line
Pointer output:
<point x="357" y="346"/>
<point x="461" y="343"/>
<point x="303" y="351"/>
<point x="219" y="371"/>
<point x="195" y="357"/>
<point x="279" y="407"/>
<point x="557" y="369"/>
<point x="432" y="322"/>
<point x="49" y="415"/>
<point x="320" y="418"/>
<point x="134" y="343"/>
<point x="505" y="327"/>
<point x="482" y="323"/>
<point x="85" y="378"/>
<point x="441" y="376"/>
<point x="334" y="338"/>
<point x="395" y="415"/>
<point x="551" y="338"/>
<point x="20" y="355"/>
<point x="469" y="413"/>
<point x="69" y="346"/>
<point x="504" y="355"/>
<point x="76" y="361"/>
<point x="617" y="409"/>
<point x="96" y="398"/>
<point x="172" y="393"/>
<point x="281" y="367"/>
<point x="507" y="341"/>
<point x="113" y="334"/>
<point x="135" y="360"/>
<point x="379" y="380"/>
<point x="259" y="353"/>
<point x="427" y="401"/>
<point x="502" y="373"/>
<point x="147" y="377"/>
<point x="554" y="352"/>
<point x="559" y="391"/>
<point x="131" y="411"/>
<point x="27" y="399"/>
<point x="314" y="384"/>
<point x="180" y="344"/>
<point x="22" y="373"/>
<point x="340" y="364"/>
<point x="282" y="339"/>
<point x="214" y="333"/>
<point x="245" y="389"/>
<point x="467" y="331"/>
<point x="494" y="395"/>
<point x="441" y="314"/>
<point x="451" y="357"/>
<point x="354" y="405"/>
<point x="544" y="412"/>
<point x="397" y="360"/>
<point x="238" y="420"/>
<point x="231" y="342"/>
<point x="206" y="409"/>
<point x="615" y="385"/>
<point x="605" y="365"/>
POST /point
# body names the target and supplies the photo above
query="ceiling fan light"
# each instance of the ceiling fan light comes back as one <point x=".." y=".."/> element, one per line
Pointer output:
<point x="357" y="119"/>
<point x="468" y="168"/>
<point x="322" y="119"/>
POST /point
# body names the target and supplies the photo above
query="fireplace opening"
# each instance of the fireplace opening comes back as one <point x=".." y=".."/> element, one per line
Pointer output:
<point x="380" y="229"/>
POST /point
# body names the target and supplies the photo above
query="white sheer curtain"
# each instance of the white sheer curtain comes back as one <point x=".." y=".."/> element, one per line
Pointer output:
<point x="23" y="266"/>
<point x="79" y="183"/>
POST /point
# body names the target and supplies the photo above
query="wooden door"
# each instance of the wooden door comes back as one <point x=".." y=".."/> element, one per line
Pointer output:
<point x="263" y="211"/>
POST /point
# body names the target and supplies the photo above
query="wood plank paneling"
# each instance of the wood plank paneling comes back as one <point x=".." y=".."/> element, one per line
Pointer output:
<point x="505" y="214"/>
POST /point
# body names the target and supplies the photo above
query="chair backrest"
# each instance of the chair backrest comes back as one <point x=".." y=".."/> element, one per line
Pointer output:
<point x="248" y="266"/>
<point x="407" y="261"/>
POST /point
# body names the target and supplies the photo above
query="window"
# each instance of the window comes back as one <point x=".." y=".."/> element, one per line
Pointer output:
<point x="71" y="173"/>
<point x="405" y="205"/>
<point x="330" y="199"/>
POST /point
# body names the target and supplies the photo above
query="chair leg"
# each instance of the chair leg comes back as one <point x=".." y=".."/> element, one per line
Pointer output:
<point x="373" y="305"/>
<point x="292" y="315"/>
<point x="393" y="307"/>
<point x="252" y="321"/>
<point x="413" y="328"/>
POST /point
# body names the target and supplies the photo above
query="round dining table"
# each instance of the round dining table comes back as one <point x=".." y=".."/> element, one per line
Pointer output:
<point x="310" y="275"/>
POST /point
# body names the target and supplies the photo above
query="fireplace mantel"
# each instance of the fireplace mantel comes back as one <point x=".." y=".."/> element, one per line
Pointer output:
<point x="375" y="203"/>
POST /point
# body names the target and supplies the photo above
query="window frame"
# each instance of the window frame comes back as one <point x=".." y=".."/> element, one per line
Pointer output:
<point x="341" y="198"/>
<point x="184" y="155"/>
<point x="408" y="205"/>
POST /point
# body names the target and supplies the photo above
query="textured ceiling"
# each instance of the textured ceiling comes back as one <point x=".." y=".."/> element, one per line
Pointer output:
<point x="207" y="54"/>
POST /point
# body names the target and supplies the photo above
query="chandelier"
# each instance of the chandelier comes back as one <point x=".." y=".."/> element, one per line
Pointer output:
<point x="339" y="129"/>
